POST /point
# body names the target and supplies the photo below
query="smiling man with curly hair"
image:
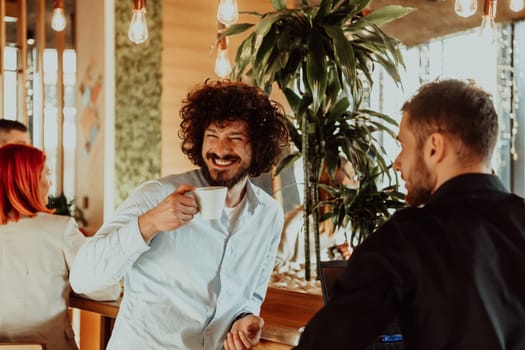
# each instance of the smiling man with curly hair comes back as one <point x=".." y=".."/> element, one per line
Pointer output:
<point x="192" y="283"/>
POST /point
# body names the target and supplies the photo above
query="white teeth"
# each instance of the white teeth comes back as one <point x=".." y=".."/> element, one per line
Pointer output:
<point x="222" y="162"/>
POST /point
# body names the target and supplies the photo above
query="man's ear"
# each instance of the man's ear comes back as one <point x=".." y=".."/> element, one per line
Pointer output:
<point x="436" y="148"/>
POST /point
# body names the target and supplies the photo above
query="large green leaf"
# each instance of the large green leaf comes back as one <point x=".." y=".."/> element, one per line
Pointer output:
<point x="388" y="14"/>
<point x="287" y="161"/>
<point x="243" y="57"/>
<point x="293" y="99"/>
<point x="344" y="54"/>
<point x="235" y="29"/>
<point x="294" y="134"/>
<point x="382" y="116"/>
<point x="316" y="70"/>
<point x="266" y="23"/>
<point x="279" y="4"/>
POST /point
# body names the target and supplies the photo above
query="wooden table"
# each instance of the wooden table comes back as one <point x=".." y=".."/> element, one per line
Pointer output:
<point x="284" y="312"/>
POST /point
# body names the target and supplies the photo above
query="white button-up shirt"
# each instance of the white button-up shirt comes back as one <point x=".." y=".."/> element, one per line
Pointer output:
<point x="184" y="288"/>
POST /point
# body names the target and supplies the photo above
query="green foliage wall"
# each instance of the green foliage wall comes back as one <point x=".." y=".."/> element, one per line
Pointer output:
<point x="138" y="97"/>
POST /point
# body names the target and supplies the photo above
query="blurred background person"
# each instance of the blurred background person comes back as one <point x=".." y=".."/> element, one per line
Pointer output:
<point x="37" y="250"/>
<point x="12" y="131"/>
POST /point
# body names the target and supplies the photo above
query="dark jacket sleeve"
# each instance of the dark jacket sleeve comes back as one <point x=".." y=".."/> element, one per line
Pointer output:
<point x="367" y="297"/>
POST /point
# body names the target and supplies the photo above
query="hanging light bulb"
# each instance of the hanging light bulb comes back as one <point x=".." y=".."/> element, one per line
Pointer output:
<point x="223" y="67"/>
<point x="58" y="20"/>
<point x="138" y="28"/>
<point x="227" y="12"/>
<point x="466" y="8"/>
<point x="488" y="27"/>
<point x="517" y="5"/>
<point x="487" y="31"/>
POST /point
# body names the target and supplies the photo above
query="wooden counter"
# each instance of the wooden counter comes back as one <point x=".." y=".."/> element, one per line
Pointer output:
<point x="284" y="313"/>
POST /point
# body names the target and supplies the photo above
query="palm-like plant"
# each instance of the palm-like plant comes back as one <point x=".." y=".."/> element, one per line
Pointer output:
<point x="322" y="57"/>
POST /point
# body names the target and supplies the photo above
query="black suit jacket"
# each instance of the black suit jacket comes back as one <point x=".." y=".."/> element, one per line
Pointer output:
<point x="452" y="272"/>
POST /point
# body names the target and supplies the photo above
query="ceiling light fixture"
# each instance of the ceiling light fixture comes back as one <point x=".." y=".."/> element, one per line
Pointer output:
<point x="223" y="67"/>
<point x="58" y="21"/>
<point x="517" y="5"/>
<point x="465" y="8"/>
<point x="227" y="12"/>
<point x="487" y="28"/>
<point x="138" y="28"/>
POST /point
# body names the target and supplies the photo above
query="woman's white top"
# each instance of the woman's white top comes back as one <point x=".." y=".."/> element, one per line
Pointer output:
<point x="35" y="256"/>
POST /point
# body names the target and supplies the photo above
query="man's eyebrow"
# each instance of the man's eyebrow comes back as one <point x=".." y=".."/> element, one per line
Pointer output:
<point x="237" y="133"/>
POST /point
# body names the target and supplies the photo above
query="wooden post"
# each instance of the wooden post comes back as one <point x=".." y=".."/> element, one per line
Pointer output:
<point x="21" y="38"/>
<point x="40" y="41"/>
<point x="60" y="44"/>
<point x="2" y="45"/>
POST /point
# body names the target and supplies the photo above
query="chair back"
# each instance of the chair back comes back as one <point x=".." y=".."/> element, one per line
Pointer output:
<point x="22" y="346"/>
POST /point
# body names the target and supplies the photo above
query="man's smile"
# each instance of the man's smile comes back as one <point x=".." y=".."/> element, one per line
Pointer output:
<point x="222" y="162"/>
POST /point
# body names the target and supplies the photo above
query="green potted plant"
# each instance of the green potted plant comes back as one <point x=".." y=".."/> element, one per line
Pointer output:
<point x="322" y="57"/>
<point x="66" y="207"/>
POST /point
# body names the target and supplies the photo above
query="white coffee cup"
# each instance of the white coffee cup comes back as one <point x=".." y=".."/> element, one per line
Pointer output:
<point x="211" y="201"/>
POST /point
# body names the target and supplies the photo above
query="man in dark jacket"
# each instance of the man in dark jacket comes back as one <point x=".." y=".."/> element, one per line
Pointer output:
<point x="451" y="267"/>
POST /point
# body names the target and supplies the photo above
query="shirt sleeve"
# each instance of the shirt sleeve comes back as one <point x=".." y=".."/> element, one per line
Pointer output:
<point x="259" y="294"/>
<point x="108" y="255"/>
<point x="73" y="240"/>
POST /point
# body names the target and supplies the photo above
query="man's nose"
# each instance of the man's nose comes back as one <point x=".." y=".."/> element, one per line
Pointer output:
<point x="222" y="147"/>
<point x="397" y="164"/>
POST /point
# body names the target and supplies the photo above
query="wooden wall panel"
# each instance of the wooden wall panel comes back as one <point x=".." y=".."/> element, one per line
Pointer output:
<point x="91" y="51"/>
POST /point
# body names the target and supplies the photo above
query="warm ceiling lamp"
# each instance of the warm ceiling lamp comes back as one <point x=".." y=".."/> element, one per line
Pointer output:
<point x="223" y="67"/>
<point x="465" y="8"/>
<point x="227" y="12"/>
<point x="517" y="5"/>
<point x="138" y="28"/>
<point x="58" y="21"/>
<point x="487" y="29"/>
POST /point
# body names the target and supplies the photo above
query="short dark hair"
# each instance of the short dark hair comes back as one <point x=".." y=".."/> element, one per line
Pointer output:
<point x="7" y="125"/>
<point x="225" y="101"/>
<point x="458" y="108"/>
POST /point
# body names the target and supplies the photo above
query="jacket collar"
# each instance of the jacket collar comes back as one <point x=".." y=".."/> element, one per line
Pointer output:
<point x="466" y="184"/>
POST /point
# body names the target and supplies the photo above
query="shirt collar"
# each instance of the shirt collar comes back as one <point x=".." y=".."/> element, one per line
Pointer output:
<point x="467" y="184"/>
<point x="251" y="196"/>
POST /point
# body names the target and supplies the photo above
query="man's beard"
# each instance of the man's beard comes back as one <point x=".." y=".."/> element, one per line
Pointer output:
<point x="220" y="176"/>
<point x="421" y="184"/>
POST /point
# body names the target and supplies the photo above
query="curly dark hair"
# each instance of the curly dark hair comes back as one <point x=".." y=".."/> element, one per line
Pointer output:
<point x="226" y="101"/>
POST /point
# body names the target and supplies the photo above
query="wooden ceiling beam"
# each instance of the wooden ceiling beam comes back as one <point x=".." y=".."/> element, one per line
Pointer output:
<point x="434" y="19"/>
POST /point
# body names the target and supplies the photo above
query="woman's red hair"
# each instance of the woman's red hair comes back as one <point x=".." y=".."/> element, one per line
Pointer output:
<point x="20" y="170"/>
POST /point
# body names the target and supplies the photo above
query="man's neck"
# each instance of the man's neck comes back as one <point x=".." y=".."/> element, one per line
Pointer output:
<point x="451" y="172"/>
<point x="236" y="193"/>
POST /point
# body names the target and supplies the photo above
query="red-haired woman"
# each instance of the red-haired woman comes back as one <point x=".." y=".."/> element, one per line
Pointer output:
<point x="36" y="250"/>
